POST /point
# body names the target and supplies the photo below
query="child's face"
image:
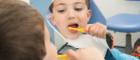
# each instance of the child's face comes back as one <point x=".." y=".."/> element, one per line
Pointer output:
<point x="70" y="13"/>
<point x="138" y="49"/>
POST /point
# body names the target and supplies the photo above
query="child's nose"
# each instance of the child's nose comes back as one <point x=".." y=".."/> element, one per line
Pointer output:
<point x="71" y="15"/>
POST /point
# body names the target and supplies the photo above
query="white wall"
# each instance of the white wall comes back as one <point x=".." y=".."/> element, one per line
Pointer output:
<point x="112" y="7"/>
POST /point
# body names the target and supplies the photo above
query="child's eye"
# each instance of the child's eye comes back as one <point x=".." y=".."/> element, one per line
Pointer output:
<point x="78" y="9"/>
<point x="60" y="8"/>
<point x="61" y="11"/>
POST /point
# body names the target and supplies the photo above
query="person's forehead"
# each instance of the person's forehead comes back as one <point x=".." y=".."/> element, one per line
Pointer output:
<point x="63" y="2"/>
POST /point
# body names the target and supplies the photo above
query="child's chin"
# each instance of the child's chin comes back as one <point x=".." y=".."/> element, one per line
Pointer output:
<point x="73" y="36"/>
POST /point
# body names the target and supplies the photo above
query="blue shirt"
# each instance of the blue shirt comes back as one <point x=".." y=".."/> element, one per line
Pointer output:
<point x="122" y="56"/>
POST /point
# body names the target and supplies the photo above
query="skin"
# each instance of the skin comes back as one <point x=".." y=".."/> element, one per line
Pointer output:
<point x="138" y="49"/>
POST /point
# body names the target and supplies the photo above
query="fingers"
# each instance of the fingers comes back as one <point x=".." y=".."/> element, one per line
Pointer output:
<point x="96" y="29"/>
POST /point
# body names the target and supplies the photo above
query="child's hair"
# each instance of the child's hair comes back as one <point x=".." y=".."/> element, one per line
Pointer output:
<point x="51" y="6"/>
<point x="21" y="32"/>
<point x="109" y="39"/>
<point x="137" y="43"/>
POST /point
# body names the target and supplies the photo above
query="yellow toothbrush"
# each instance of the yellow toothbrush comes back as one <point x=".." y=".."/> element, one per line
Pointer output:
<point x="62" y="57"/>
<point x="77" y="29"/>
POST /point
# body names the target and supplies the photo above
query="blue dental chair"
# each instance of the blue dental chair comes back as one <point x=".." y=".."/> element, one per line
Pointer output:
<point x="97" y="15"/>
<point x="127" y="23"/>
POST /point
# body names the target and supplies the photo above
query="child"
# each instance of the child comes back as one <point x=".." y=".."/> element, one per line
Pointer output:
<point x="136" y="50"/>
<point x="70" y="15"/>
<point x="76" y="15"/>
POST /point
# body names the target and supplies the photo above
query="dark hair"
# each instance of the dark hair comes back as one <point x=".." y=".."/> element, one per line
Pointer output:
<point x="21" y="32"/>
<point x="51" y="6"/>
<point x="109" y="39"/>
<point x="137" y="43"/>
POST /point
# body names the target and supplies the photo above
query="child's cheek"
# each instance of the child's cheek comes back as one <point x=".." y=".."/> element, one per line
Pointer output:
<point x="138" y="49"/>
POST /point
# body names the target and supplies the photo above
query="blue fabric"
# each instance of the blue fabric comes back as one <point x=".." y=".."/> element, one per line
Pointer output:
<point x="124" y="23"/>
<point x="109" y="56"/>
<point x="122" y="56"/>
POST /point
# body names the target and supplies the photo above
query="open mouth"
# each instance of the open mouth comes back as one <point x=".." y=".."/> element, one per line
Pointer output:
<point x="75" y="25"/>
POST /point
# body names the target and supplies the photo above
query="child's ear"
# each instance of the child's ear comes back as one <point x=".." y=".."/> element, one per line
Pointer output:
<point x="89" y="14"/>
<point x="52" y="19"/>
